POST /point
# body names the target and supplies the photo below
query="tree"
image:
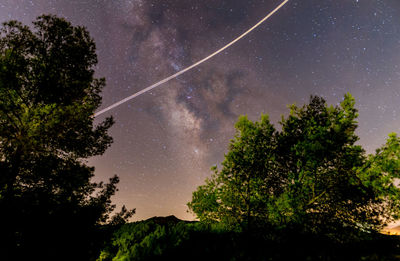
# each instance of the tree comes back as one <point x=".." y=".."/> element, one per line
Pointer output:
<point x="50" y="207"/>
<point x="237" y="193"/>
<point x="381" y="172"/>
<point x="310" y="174"/>
<point x="319" y="157"/>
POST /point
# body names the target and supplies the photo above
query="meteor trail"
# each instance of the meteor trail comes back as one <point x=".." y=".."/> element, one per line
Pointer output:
<point x="190" y="67"/>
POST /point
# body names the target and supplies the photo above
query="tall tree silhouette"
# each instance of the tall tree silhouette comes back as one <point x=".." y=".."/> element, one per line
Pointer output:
<point x="50" y="208"/>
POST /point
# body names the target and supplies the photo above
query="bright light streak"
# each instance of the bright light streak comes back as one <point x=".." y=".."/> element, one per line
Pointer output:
<point x="190" y="67"/>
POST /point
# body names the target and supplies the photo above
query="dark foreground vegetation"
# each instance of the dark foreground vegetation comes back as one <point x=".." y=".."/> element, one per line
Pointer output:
<point x="172" y="239"/>
<point x="303" y="191"/>
<point x="50" y="207"/>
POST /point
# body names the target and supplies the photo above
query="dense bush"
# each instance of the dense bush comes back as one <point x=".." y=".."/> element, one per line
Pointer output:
<point x="171" y="239"/>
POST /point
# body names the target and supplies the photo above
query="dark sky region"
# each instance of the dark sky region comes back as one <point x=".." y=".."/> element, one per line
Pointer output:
<point x="167" y="140"/>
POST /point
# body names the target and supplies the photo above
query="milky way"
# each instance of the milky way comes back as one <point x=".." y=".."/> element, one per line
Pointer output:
<point x="166" y="140"/>
<point x="182" y="71"/>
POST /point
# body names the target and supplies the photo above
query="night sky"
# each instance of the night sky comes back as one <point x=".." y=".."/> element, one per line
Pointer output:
<point x="166" y="141"/>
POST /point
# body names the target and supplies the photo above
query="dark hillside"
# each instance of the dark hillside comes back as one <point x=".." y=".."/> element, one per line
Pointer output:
<point x="166" y="220"/>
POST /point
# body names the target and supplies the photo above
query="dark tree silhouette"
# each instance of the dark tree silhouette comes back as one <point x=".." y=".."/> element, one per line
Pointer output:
<point x="50" y="208"/>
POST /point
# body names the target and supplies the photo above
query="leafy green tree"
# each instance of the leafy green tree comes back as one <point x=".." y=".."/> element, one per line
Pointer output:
<point x="236" y="195"/>
<point x="381" y="172"/>
<point x="310" y="174"/>
<point x="319" y="159"/>
<point x="50" y="207"/>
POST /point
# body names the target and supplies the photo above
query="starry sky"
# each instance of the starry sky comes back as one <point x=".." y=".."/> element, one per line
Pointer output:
<point x="165" y="141"/>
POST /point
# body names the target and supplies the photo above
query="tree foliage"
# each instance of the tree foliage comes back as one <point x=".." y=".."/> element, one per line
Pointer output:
<point x="310" y="174"/>
<point x="48" y="95"/>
